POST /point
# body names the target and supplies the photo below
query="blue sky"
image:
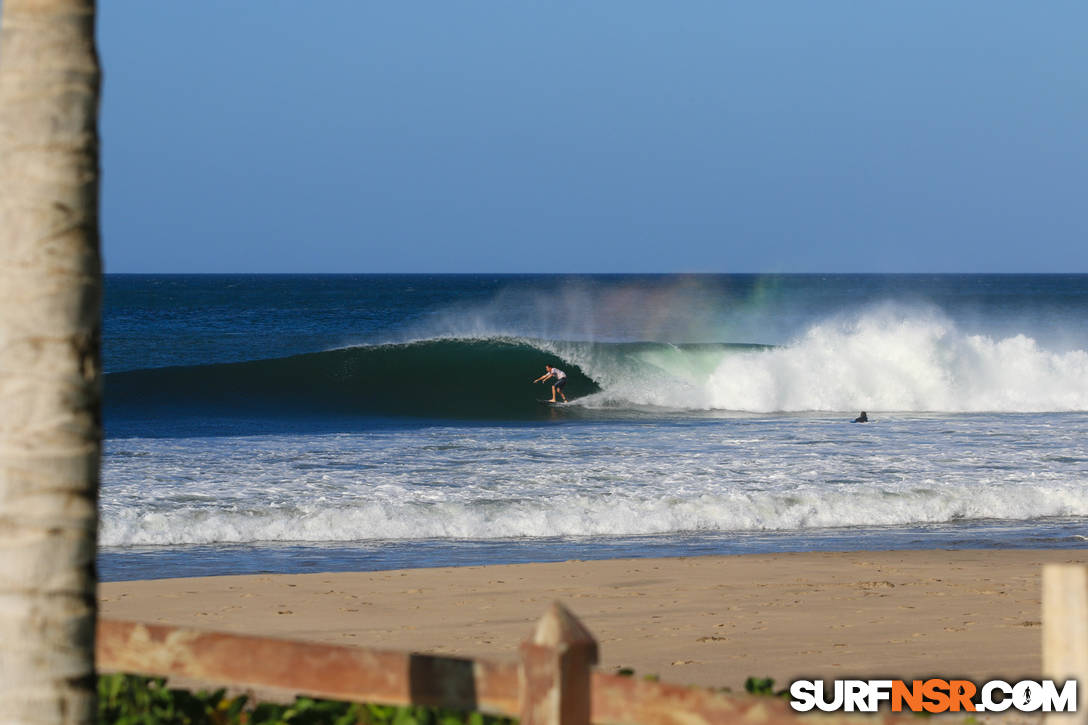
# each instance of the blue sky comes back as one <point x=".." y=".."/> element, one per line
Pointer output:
<point x="605" y="136"/>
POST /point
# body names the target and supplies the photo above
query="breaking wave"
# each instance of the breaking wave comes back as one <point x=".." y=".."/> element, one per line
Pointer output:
<point x="885" y="360"/>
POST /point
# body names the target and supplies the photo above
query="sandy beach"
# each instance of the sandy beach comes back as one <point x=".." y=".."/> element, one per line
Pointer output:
<point x="704" y="620"/>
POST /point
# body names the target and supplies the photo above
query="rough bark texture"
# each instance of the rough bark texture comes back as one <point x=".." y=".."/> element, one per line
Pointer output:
<point x="50" y="428"/>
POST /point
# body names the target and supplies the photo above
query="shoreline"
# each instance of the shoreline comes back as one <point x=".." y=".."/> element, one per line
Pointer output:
<point x="196" y="560"/>
<point x="706" y="620"/>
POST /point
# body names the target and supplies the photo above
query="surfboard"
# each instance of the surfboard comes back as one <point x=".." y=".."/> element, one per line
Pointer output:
<point x="556" y="404"/>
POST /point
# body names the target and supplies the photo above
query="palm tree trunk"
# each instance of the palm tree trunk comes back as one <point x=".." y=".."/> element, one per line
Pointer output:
<point x="50" y="372"/>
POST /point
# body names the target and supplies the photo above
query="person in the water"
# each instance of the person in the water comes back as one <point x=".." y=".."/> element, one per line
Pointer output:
<point x="863" y="418"/>
<point x="557" y="386"/>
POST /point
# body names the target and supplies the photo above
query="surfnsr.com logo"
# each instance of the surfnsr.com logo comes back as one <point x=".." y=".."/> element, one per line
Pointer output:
<point x="933" y="695"/>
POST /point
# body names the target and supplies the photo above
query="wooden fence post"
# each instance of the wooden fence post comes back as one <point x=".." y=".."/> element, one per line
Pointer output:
<point x="553" y="680"/>
<point x="1065" y="633"/>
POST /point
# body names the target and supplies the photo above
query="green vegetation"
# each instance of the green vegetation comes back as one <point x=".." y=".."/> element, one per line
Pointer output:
<point x="764" y="686"/>
<point x="629" y="672"/>
<point x="134" y="700"/>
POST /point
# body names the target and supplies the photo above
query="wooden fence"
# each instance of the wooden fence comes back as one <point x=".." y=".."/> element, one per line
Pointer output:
<point x="551" y="683"/>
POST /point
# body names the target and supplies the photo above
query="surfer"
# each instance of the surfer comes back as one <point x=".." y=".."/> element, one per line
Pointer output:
<point x="557" y="386"/>
<point x="863" y="418"/>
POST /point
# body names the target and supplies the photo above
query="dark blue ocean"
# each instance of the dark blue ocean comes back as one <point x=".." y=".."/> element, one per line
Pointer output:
<point x="298" y="423"/>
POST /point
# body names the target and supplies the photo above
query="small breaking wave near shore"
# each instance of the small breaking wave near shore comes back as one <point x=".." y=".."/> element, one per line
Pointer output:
<point x="591" y="515"/>
<point x="477" y="482"/>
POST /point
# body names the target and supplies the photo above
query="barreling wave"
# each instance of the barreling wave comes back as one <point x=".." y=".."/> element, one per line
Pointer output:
<point x="439" y="378"/>
<point x="883" y="360"/>
<point x="442" y="378"/>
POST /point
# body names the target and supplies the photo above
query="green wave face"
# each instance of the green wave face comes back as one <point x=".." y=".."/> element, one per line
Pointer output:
<point x="436" y="378"/>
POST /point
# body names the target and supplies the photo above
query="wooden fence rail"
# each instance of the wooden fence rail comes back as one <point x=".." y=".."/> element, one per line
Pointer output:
<point x="552" y="684"/>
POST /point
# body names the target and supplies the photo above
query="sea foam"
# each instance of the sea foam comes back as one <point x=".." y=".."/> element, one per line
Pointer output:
<point x="808" y="507"/>
<point x="887" y="360"/>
